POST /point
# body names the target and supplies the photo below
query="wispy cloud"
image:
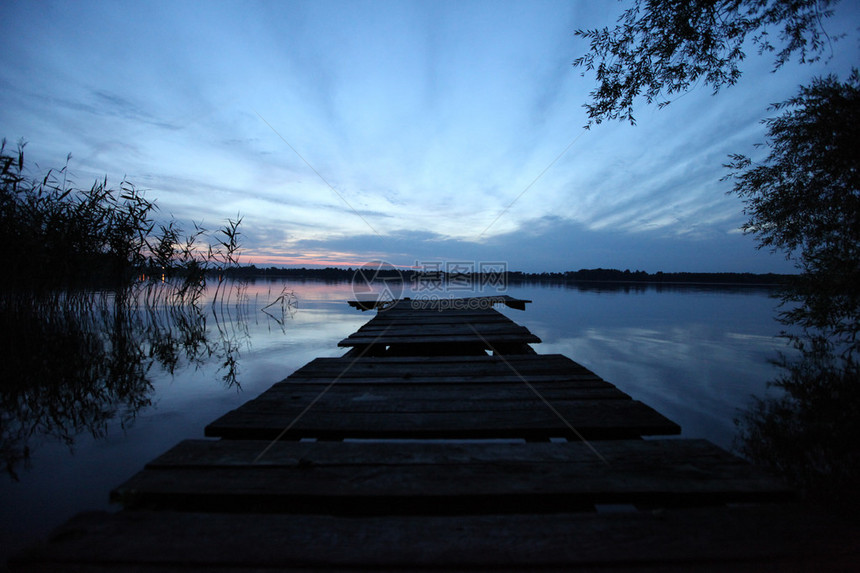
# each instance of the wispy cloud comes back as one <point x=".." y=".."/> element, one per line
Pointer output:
<point x="430" y="121"/>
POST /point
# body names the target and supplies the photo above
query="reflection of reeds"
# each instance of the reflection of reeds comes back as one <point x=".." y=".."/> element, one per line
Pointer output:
<point x="73" y="361"/>
<point x="285" y="304"/>
<point x="70" y="367"/>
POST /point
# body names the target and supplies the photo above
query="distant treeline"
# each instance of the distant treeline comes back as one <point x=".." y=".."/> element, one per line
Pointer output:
<point x="516" y="277"/>
<point x="615" y="275"/>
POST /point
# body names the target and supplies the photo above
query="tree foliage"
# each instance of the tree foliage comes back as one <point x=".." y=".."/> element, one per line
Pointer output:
<point x="662" y="47"/>
<point x="804" y="198"/>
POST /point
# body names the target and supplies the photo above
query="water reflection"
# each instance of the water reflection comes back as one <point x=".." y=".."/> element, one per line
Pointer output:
<point x="645" y="287"/>
<point x="809" y="434"/>
<point x="75" y="361"/>
<point x="694" y="354"/>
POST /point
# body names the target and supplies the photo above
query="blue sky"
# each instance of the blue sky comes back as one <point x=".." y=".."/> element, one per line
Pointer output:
<point x="405" y="131"/>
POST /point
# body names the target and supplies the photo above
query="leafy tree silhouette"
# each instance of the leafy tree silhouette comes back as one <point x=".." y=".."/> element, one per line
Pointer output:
<point x="803" y="199"/>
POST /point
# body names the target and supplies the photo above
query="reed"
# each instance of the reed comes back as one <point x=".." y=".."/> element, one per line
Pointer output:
<point x="57" y="235"/>
<point x="96" y="292"/>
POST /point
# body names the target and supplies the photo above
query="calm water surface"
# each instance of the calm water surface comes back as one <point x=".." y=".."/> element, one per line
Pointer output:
<point x="694" y="354"/>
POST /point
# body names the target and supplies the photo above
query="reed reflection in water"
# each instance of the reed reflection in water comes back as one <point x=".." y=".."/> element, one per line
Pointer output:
<point x="73" y="361"/>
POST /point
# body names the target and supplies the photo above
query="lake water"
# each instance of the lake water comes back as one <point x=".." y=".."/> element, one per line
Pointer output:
<point x="695" y="354"/>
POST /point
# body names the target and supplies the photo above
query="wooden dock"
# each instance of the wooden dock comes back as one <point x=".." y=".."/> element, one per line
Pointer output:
<point x="441" y="441"/>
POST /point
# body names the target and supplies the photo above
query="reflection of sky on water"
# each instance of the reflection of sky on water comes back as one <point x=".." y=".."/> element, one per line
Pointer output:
<point x="61" y="482"/>
<point x="693" y="355"/>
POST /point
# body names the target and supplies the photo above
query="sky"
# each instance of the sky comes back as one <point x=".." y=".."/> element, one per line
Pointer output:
<point x="408" y="132"/>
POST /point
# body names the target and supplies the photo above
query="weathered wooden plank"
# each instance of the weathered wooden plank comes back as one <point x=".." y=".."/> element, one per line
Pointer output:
<point x="681" y="459"/>
<point x="386" y="478"/>
<point x="455" y="303"/>
<point x="417" y="307"/>
<point x="572" y="381"/>
<point x="764" y="537"/>
<point x="490" y="339"/>
<point x="408" y="326"/>
<point x="483" y="328"/>
<point x="593" y="419"/>
<point x="446" y="398"/>
<point x="540" y="361"/>
<point x="453" y="328"/>
<point x="442" y="336"/>
<point x="440" y="326"/>
<point x="489" y="369"/>
<point x="406" y="311"/>
<point x="447" y="304"/>
<point x="446" y="332"/>
<point x="427" y="392"/>
<point x="439" y="318"/>
<point x="437" y="321"/>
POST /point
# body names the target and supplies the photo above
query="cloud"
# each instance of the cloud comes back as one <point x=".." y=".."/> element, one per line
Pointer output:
<point x="549" y="243"/>
<point x="433" y="121"/>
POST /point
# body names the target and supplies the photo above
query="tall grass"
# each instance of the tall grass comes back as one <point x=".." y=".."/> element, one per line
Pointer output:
<point x="97" y="291"/>
<point x="56" y="235"/>
<point x="76" y="361"/>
